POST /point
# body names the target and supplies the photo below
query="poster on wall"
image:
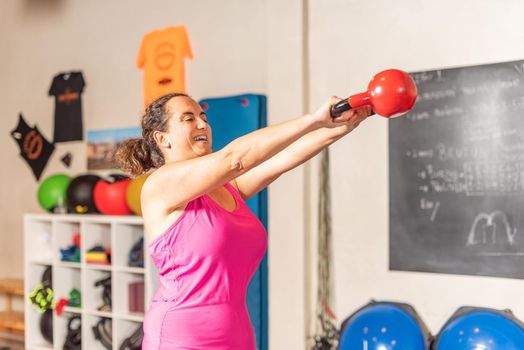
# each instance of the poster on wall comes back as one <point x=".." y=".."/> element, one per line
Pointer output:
<point x="102" y="144"/>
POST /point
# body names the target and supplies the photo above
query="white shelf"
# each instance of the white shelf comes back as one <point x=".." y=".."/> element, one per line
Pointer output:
<point x="137" y="317"/>
<point x="39" y="347"/>
<point x="100" y="267"/>
<point x="99" y="313"/>
<point x="130" y="269"/>
<point x="45" y="234"/>
<point x="73" y="265"/>
<point x="48" y="262"/>
<point x="73" y="310"/>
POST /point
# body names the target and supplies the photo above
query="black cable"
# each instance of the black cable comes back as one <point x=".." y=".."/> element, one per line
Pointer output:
<point x="134" y="342"/>
<point x="73" y="340"/>
<point x="46" y="325"/>
<point x="102" y="332"/>
<point x="106" y="293"/>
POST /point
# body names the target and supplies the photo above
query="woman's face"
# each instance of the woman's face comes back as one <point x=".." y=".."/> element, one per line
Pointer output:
<point x="188" y="133"/>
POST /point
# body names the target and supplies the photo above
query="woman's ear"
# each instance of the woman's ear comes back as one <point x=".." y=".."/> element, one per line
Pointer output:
<point x="161" y="139"/>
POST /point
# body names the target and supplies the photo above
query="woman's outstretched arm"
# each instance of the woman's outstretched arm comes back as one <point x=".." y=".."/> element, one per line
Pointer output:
<point x="303" y="149"/>
<point x="176" y="183"/>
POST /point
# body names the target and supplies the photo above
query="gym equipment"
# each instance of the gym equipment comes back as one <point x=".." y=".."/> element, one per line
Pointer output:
<point x="52" y="193"/>
<point x="110" y="195"/>
<point x="46" y="325"/>
<point x="47" y="276"/>
<point x="136" y="254"/>
<point x="73" y="340"/>
<point x="70" y="254"/>
<point x="102" y="332"/>
<point x="80" y="194"/>
<point x="472" y="328"/>
<point x="391" y="93"/>
<point x="133" y="193"/>
<point x="384" y="326"/>
<point x="326" y="333"/>
<point x="42" y="296"/>
<point x="245" y="113"/>
<point x="73" y="301"/>
<point x="106" y="293"/>
<point x="59" y="306"/>
<point x="75" y="298"/>
<point x="98" y="255"/>
<point x="136" y="297"/>
<point x="134" y="342"/>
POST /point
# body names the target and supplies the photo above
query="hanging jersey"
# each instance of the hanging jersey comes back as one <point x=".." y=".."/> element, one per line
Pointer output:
<point x="161" y="56"/>
<point x="67" y="89"/>
<point x="34" y="147"/>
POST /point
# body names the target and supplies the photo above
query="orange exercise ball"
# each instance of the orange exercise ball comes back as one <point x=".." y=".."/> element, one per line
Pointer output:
<point x="133" y="193"/>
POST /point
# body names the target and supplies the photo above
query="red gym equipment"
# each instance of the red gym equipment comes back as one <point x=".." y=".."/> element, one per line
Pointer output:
<point x="110" y="197"/>
<point x="391" y="93"/>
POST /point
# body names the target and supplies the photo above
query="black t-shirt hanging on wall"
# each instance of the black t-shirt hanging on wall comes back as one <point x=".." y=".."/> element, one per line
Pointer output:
<point x="34" y="147"/>
<point x="67" y="89"/>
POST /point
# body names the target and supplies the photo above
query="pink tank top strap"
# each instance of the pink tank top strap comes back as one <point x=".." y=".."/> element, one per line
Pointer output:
<point x="232" y="189"/>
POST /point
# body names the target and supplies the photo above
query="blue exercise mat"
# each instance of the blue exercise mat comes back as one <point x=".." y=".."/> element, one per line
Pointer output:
<point x="231" y="117"/>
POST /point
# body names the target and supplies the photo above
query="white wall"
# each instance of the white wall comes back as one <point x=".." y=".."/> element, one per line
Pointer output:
<point x="41" y="38"/>
<point x="257" y="46"/>
<point x="239" y="46"/>
<point x="288" y="307"/>
<point x="350" y="42"/>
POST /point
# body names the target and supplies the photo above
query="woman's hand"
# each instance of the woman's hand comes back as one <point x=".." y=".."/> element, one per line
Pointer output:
<point x="349" y="119"/>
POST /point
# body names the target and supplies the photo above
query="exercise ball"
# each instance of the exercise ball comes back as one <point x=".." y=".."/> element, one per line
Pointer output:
<point x="133" y="193"/>
<point x="52" y="192"/>
<point x="110" y="195"/>
<point x="478" y="328"/>
<point x="384" y="326"/>
<point x="80" y="194"/>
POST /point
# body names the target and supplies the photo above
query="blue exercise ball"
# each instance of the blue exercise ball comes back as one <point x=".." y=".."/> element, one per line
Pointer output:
<point x="481" y="329"/>
<point x="384" y="326"/>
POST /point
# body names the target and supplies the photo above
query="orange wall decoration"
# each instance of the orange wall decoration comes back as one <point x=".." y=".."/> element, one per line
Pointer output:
<point x="162" y="54"/>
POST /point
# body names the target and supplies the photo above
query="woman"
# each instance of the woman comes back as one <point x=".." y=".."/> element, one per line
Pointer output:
<point x="203" y="239"/>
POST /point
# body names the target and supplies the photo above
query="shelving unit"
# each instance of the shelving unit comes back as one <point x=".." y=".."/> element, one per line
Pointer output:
<point x="44" y="235"/>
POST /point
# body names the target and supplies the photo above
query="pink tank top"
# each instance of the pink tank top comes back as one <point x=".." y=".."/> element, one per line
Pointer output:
<point x="205" y="261"/>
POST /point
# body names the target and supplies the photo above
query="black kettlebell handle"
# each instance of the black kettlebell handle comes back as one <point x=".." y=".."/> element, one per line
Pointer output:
<point x="340" y="107"/>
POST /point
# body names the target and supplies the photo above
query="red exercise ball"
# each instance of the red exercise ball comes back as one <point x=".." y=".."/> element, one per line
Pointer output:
<point x="110" y="196"/>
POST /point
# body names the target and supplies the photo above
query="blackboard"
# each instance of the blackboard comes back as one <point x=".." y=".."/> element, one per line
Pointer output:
<point x="456" y="173"/>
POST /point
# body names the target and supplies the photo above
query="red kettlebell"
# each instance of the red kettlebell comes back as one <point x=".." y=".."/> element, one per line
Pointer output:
<point x="391" y="93"/>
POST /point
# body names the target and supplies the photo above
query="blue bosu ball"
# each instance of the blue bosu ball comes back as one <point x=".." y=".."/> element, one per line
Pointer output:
<point x="384" y="326"/>
<point x="485" y="329"/>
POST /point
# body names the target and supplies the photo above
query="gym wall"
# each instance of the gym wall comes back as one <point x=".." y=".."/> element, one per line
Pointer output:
<point x="258" y="46"/>
<point x="350" y="42"/>
<point x="239" y="46"/>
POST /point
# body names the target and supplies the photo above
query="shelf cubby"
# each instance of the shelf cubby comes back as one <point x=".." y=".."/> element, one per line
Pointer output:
<point x="89" y="340"/>
<point x="45" y="235"/>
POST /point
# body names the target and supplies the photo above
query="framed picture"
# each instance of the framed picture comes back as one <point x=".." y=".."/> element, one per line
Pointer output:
<point x="102" y="144"/>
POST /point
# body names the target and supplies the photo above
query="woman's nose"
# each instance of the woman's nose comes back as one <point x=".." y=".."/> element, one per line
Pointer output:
<point x="202" y="124"/>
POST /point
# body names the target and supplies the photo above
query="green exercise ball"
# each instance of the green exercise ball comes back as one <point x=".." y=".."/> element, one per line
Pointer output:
<point x="52" y="192"/>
